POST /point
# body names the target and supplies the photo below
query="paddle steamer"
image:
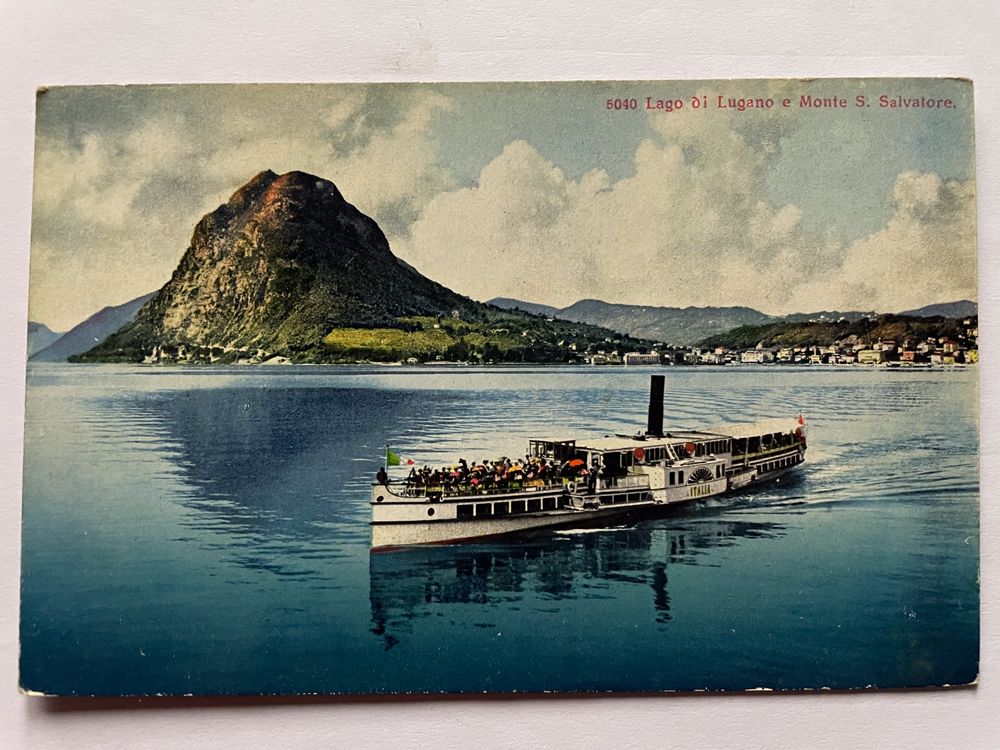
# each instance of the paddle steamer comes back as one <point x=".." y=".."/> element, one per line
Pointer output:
<point x="588" y="482"/>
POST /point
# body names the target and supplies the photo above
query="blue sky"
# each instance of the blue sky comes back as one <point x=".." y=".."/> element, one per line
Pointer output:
<point x="783" y="209"/>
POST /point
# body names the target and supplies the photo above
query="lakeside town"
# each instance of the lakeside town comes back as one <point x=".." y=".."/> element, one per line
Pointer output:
<point x="910" y="351"/>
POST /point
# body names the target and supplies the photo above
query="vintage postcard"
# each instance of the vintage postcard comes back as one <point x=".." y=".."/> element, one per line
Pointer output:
<point x="502" y="387"/>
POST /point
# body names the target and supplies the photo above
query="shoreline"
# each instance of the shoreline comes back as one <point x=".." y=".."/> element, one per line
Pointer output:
<point x="507" y="366"/>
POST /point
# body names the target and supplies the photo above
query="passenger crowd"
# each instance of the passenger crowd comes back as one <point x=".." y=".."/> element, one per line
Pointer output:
<point x="500" y="474"/>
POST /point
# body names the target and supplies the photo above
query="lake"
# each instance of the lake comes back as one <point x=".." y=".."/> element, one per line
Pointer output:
<point x="205" y="530"/>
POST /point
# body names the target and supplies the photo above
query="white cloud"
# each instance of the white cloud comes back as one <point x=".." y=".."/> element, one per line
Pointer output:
<point x="128" y="197"/>
<point x="689" y="227"/>
<point x="925" y="253"/>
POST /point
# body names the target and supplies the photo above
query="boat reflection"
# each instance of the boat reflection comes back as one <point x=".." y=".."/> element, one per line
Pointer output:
<point x="421" y="582"/>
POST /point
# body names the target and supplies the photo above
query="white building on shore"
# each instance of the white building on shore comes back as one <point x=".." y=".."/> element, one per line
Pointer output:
<point x="638" y="358"/>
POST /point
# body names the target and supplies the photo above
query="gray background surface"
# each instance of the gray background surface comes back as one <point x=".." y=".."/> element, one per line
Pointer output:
<point x="190" y="41"/>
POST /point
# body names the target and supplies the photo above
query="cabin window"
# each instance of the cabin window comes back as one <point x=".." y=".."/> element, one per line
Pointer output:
<point x="534" y="504"/>
<point x="671" y="478"/>
<point x="718" y="470"/>
<point x="680" y="477"/>
<point x="483" y="509"/>
<point x="465" y="511"/>
<point x="517" y="506"/>
<point x="501" y="509"/>
<point x="549" y="503"/>
<point x="430" y="511"/>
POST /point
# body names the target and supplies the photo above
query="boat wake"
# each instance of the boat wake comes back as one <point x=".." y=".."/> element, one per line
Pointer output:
<point x="598" y="530"/>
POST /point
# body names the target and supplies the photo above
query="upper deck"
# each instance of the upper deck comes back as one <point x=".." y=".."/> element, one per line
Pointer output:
<point x="628" y="450"/>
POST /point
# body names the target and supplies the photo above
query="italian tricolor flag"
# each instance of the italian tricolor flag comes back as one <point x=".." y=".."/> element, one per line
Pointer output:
<point x="394" y="459"/>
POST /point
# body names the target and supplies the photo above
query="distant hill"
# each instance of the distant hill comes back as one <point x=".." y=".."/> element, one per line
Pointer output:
<point x="690" y="325"/>
<point x="506" y="303"/>
<point x="822" y="333"/>
<point x="962" y="309"/>
<point x="673" y="325"/>
<point x="824" y="315"/>
<point x="288" y="268"/>
<point x="39" y="337"/>
<point x="91" y="331"/>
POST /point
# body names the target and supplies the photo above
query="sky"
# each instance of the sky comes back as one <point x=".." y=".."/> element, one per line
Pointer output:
<point x="536" y="191"/>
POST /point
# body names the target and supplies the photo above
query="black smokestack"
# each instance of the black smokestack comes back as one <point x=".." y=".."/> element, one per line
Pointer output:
<point x="654" y="424"/>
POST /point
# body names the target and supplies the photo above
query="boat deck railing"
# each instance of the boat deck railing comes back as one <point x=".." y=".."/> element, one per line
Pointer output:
<point x="630" y="480"/>
<point x="403" y="489"/>
<point x="742" y="457"/>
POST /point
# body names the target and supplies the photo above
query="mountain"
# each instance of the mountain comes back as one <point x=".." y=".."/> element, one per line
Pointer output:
<point x="962" y="309"/>
<point x="897" y="328"/>
<point x="674" y="325"/>
<point x="39" y="337"/>
<point x="690" y="325"/>
<point x="90" y="332"/>
<point x="287" y="267"/>
<point x="824" y="316"/>
<point x="507" y="303"/>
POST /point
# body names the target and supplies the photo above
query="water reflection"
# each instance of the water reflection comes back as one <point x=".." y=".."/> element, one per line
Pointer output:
<point x="412" y="584"/>
<point x="278" y="477"/>
<point x="245" y="494"/>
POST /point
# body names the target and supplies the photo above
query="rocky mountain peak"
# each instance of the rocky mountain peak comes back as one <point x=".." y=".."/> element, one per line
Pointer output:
<point x="252" y="189"/>
<point x="285" y="260"/>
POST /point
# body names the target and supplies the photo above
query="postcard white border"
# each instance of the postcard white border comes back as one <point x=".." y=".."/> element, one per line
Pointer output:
<point x="46" y="42"/>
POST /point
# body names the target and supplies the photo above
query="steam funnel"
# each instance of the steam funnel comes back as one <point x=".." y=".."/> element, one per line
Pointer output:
<point x="654" y="424"/>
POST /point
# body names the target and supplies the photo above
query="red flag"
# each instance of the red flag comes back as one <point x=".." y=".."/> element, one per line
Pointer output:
<point x="801" y="420"/>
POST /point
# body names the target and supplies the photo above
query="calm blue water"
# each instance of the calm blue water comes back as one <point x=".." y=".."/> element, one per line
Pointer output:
<point x="205" y="531"/>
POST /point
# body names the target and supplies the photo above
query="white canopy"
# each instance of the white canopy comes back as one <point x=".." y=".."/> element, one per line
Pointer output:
<point x="754" y="429"/>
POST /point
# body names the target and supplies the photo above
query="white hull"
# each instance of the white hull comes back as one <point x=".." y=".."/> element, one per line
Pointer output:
<point x="599" y="478"/>
<point x="439" y="532"/>
<point x="403" y="533"/>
